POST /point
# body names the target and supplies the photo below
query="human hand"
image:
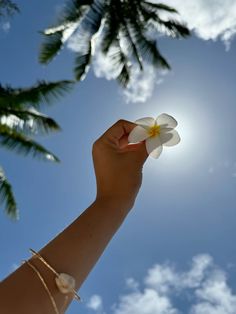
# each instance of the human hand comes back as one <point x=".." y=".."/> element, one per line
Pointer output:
<point x="118" y="166"/>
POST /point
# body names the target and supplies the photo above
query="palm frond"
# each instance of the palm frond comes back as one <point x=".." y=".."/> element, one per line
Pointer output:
<point x="132" y="46"/>
<point x="68" y="21"/>
<point x="171" y="27"/>
<point x="27" y="121"/>
<point x="130" y="20"/>
<point x="111" y="27"/>
<point x="40" y="93"/>
<point x="93" y="17"/>
<point x="82" y="63"/>
<point x="124" y="77"/>
<point x="89" y="27"/>
<point x="116" y="26"/>
<point x="148" y="48"/>
<point x="8" y="8"/>
<point x="50" y="47"/>
<point x="22" y="144"/>
<point x="120" y="61"/>
<point x="174" y="28"/>
<point x="160" y="6"/>
<point x="73" y="10"/>
<point x="7" y="197"/>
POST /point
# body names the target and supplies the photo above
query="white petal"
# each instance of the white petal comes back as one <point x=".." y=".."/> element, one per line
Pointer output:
<point x="156" y="152"/>
<point x="169" y="138"/>
<point x="152" y="143"/>
<point x="146" y="122"/>
<point x="138" y="134"/>
<point x="166" y="121"/>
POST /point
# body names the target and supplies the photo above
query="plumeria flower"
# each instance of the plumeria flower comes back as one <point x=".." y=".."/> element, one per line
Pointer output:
<point x="157" y="133"/>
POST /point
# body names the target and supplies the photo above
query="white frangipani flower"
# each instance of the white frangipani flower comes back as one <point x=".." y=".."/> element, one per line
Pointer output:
<point x="157" y="133"/>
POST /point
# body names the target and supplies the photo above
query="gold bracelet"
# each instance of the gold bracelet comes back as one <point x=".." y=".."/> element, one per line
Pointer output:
<point x="64" y="282"/>
<point x="45" y="286"/>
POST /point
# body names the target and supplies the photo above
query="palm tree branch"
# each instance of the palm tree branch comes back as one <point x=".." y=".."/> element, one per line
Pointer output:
<point x="7" y="196"/>
<point x="111" y="28"/>
<point x="8" y="8"/>
<point x="29" y="120"/>
<point x="135" y="53"/>
<point x="73" y="10"/>
<point x="51" y="46"/>
<point x="147" y="47"/>
<point x="90" y="25"/>
<point x="160" y="6"/>
<point x="120" y="60"/>
<point x="174" y="28"/>
<point x="20" y="143"/>
<point x="82" y="63"/>
<point x="41" y="92"/>
<point x="53" y="36"/>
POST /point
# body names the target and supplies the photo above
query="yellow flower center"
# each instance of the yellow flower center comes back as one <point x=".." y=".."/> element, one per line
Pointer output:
<point x="154" y="130"/>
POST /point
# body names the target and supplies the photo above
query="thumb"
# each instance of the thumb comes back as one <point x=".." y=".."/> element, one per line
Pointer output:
<point x="140" y="150"/>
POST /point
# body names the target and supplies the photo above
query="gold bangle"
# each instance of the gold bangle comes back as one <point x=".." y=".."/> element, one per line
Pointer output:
<point x="45" y="286"/>
<point x="64" y="282"/>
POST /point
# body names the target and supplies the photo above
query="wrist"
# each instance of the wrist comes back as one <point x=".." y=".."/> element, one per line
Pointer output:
<point x="115" y="202"/>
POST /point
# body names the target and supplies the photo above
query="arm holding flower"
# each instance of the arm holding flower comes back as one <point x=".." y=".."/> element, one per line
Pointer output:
<point x="118" y="169"/>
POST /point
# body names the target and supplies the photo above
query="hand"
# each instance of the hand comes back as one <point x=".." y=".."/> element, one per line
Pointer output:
<point x="118" y="166"/>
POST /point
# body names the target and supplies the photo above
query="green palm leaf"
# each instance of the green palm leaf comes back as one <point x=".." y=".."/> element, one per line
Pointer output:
<point x="20" y="143"/>
<point x="111" y="28"/>
<point x="82" y="63"/>
<point x="51" y="46"/>
<point x="8" y="8"/>
<point x="148" y="48"/>
<point x="160" y="7"/>
<point x="53" y="36"/>
<point x="7" y="196"/>
<point x="174" y="28"/>
<point x="120" y="61"/>
<point x="28" y="121"/>
<point x="90" y="26"/>
<point x="40" y="93"/>
<point x="74" y="10"/>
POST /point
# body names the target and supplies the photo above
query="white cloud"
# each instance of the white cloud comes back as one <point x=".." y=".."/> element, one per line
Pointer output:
<point x="147" y="302"/>
<point x="204" y="288"/>
<point x="142" y="83"/>
<point x="103" y="65"/>
<point x="212" y="19"/>
<point x="132" y="284"/>
<point x="214" y="296"/>
<point x="95" y="303"/>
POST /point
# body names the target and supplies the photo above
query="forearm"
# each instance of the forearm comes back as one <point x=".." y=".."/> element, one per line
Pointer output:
<point x="74" y="251"/>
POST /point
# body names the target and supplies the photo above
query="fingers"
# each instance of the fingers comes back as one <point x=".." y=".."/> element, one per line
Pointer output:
<point x="117" y="135"/>
<point x="119" y="129"/>
<point x="140" y="149"/>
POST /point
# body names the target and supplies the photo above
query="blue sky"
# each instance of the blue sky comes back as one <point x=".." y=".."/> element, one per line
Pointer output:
<point x="177" y="244"/>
